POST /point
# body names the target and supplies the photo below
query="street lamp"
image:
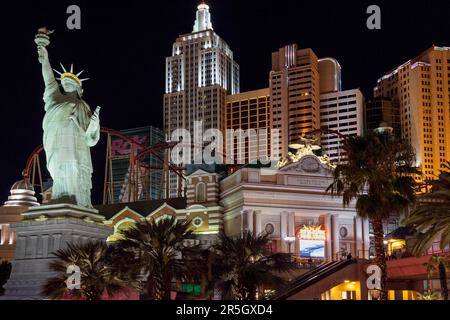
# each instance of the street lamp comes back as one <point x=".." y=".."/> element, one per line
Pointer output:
<point x="289" y="240"/>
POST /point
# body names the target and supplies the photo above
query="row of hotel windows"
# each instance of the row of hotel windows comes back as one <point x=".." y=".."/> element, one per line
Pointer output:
<point x="351" y="116"/>
<point x="440" y="60"/>
<point x="261" y="119"/>
<point x="302" y="94"/>
<point x="277" y="85"/>
<point x="440" y="68"/>
<point x="299" y="134"/>
<point x="338" y="98"/>
<point x="252" y="112"/>
<point x="346" y="124"/>
<point x="299" y="122"/>
<point x="324" y="113"/>
<point x="253" y="102"/>
<point x="300" y="101"/>
<point x="333" y="105"/>
<point x="276" y="79"/>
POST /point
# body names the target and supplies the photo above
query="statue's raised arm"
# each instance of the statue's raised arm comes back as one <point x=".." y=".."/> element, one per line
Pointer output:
<point x="47" y="72"/>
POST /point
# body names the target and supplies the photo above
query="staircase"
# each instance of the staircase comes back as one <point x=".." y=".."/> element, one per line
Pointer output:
<point x="311" y="277"/>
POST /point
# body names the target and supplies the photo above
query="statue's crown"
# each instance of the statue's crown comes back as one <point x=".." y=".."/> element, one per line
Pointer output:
<point x="70" y="75"/>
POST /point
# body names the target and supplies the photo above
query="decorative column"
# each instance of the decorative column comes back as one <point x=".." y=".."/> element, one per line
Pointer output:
<point x="242" y="222"/>
<point x="357" y="224"/>
<point x="257" y="222"/>
<point x="291" y="224"/>
<point x="3" y="231"/>
<point x="247" y="220"/>
<point x="335" y="236"/>
<point x="250" y="220"/>
<point x="328" y="231"/>
<point x="283" y="231"/>
<point x="292" y="243"/>
<point x="366" y="237"/>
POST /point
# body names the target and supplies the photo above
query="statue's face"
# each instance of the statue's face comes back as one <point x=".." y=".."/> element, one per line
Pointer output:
<point x="69" y="85"/>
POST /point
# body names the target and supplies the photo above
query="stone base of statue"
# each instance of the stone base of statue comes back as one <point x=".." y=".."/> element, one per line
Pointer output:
<point x="44" y="230"/>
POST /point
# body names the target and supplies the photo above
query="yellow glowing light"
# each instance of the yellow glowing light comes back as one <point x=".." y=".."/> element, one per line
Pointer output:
<point x="72" y="76"/>
<point x="346" y="281"/>
<point x="311" y="233"/>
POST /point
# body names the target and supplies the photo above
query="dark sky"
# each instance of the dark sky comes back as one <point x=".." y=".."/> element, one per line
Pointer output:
<point x="122" y="46"/>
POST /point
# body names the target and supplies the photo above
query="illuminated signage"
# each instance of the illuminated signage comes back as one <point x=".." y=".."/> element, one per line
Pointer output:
<point x="311" y="233"/>
<point x="122" y="147"/>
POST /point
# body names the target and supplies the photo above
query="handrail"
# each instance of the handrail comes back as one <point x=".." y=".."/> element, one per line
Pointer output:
<point x="312" y="277"/>
<point x="310" y="272"/>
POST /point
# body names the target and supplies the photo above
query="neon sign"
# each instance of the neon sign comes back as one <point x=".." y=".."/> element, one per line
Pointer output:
<point x="311" y="233"/>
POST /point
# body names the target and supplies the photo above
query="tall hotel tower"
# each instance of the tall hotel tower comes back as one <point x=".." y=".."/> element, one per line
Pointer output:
<point x="199" y="75"/>
<point x="421" y="89"/>
<point x="294" y="91"/>
<point x="306" y="94"/>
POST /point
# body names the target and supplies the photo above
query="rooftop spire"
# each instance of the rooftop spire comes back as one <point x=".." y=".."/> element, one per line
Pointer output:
<point x="203" y="17"/>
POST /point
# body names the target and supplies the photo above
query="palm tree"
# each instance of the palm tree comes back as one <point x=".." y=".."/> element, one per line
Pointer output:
<point x="440" y="264"/>
<point x="432" y="217"/>
<point x="159" y="247"/>
<point x="102" y="269"/>
<point x="242" y="265"/>
<point x="377" y="173"/>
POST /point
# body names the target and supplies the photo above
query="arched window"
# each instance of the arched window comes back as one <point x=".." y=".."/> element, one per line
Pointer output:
<point x="200" y="192"/>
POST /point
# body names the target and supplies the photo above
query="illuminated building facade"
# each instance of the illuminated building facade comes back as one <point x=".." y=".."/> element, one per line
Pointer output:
<point x="292" y="205"/>
<point x="341" y="111"/>
<point x="249" y="111"/>
<point x="294" y="92"/>
<point x="289" y="203"/>
<point x="421" y="88"/>
<point x="200" y="73"/>
<point x="306" y="94"/>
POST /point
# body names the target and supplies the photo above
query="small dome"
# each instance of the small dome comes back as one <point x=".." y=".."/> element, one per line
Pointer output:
<point x="23" y="184"/>
<point x="22" y="194"/>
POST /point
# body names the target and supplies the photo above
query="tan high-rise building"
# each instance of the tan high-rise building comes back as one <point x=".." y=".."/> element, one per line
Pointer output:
<point x="421" y="87"/>
<point x="330" y="75"/>
<point x="294" y="91"/>
<point x="342" y="112"/>
<point x="248" y="111"/>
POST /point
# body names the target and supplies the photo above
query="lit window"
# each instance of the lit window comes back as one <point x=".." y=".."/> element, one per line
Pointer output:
<point x="200" y="192"/>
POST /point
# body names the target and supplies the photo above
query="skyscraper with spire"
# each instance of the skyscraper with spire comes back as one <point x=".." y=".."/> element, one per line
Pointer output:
<point x="199" y="74"/>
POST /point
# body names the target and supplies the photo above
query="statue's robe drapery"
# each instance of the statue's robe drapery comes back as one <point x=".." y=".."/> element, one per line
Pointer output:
<point x="67" y="145"/>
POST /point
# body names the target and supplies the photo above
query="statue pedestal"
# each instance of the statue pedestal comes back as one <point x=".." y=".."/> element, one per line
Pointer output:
<point x="44" y="230"/>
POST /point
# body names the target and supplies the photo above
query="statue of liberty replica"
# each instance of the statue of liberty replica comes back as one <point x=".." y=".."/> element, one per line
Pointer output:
<point x="70" y="129"/>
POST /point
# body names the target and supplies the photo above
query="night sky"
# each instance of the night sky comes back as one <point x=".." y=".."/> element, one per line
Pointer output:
<point x="122" y="46"/>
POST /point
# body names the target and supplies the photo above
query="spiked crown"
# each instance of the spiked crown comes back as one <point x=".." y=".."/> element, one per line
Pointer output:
<point x="70" y="75"/>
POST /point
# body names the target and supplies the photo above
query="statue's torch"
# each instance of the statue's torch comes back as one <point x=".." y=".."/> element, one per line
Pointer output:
<point x="42" y="37"/>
